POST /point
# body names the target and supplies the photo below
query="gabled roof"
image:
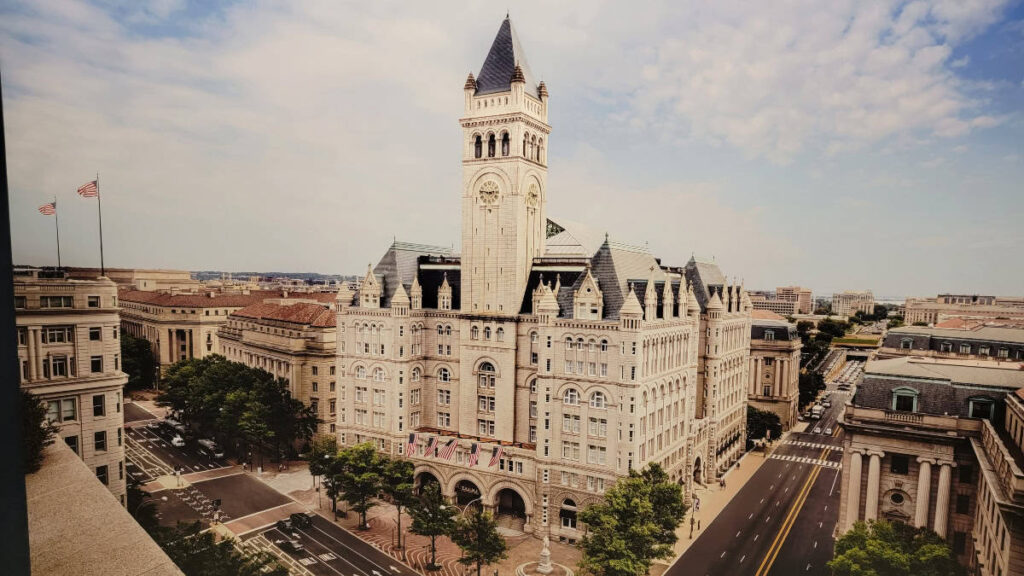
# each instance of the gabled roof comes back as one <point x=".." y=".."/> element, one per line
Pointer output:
<point x="303" y="313"/>
<point x="615" y="265"/>
<point x="704" y="275"/>
<point x="500" y="64"/>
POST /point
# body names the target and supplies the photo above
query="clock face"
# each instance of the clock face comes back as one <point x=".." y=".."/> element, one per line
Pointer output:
<point x="532" y="196"/>
<point x="489" y="193"/>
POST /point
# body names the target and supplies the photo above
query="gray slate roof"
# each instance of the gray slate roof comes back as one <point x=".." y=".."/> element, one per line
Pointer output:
<point x="704" y="275"/>
<point x="615" y="265"/>
<point x="496" y="73"/>
<point x="400" y="264"/>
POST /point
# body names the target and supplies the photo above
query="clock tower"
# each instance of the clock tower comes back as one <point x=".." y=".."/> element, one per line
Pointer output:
<point x="504" y="178"/>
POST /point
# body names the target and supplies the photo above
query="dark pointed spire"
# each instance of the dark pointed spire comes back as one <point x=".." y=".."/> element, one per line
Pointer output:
<point x="542" y="90"/>
<point x="505" y="55"/>
<point x="517" y="74"/>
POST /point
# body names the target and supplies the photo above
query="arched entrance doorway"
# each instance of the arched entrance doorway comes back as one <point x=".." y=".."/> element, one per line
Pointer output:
<point x="510" y="509"/>
<point x="698" y="472"/>
<point x="466" y="492"/>
<point x="423" y="479"/>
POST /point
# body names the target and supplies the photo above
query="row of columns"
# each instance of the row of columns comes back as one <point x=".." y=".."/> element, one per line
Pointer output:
<point x="921" y="504"/>
<point x="780" y="380"/>
<point x="34" y="347"/>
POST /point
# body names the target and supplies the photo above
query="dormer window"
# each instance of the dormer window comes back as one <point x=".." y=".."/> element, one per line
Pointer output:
<point x="769" y="335"/>
<point x="904" y="399"/>
<point x="981" y="408"/>
<point x="907" y="344"/>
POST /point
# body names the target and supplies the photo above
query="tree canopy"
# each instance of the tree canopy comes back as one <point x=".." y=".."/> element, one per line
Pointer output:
<point x="198" y="553"/>
<point x="431" y="517"/>
<point x="242" y="407"/>
<point x="477" y="536"/>
<point x="633" y="526"/>
<point x="36" y="431"/>
<point x="760" y="423"/>
<point x="886" y="548"/>
<point x="138" y="362"/>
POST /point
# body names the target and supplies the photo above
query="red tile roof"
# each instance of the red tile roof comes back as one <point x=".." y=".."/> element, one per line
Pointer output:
<point x="299" y="313"/>
<point x="199" y="300"/>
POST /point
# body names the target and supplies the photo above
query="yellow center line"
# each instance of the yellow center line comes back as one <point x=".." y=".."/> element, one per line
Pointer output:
<point x="787" y="525"/>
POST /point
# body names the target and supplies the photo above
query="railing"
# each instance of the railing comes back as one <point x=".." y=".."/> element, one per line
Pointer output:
<point x="1010" y="475"/>
<point x="904" y="416"/>
<point x="943" y="423"/>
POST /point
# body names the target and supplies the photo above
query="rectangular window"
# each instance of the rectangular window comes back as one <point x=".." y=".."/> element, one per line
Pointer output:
<point x="963" y="503"/>
<point x="96" y="364"/>
<point x="485" y="403"/>
<point x="571" y="451"/>
<point x="315" y="387"/>
<point x="100" y="440"/>
<point x="120" y="435"/>
<point x="378" y="397"/>
<point x="533" y="433"/>
<point x="58" y="334"/>
<point x="72" y="442"/>
<point x="95" y="333"/>
<point x="905" y="402"/>
<point x="444" y="419"/>
<point x="414" y="396"/>
<point x="101" y="473"/>
<point x="596" y="454"/>
<point x="378" y="419"/>
<point x="444" y="397"/>
<point x="533" y="408"/>
<point x="99" y="407"/>
<point x="485" y="427"/>
<point x="899" y="464"/>
<point x="315" y="370"/>
<point x="599" y="427"/>
<point x="361" y="394"/>
<point x="414" y="420"/>
<point x="331" y="370"/>
<point x="361" y="417"/>
<point x="94" y="301"/>
<point x="333" y="405"/>
<point x="965" y="348"/>
<point x="59" y="366"/>
<point x="56" y="302"/>
<point x="571" y="423"/>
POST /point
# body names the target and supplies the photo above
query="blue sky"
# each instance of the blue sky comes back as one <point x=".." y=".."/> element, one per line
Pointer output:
<point x="839" y="145"/>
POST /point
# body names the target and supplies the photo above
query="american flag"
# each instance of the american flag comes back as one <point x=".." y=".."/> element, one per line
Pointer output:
<point x="449" y="449"/>
<point x="48" y="209"/>
<point x="410" y="450"/>
<point x="89" y="190"/>
<point x="496" y="455"/>
<point x="431" y="446"/>
<point x="474" y="454"/>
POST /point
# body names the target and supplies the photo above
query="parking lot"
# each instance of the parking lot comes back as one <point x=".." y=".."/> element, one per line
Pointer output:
<point x="330" y="551"/>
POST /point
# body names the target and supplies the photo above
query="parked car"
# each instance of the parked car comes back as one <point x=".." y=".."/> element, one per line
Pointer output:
<point x="817" y="429"/>
<point x="827" y="403"/>
<point x="300" y="520"/>
<point x="177" y="441"/>
<point x="285" y="525"/>
<point x="290" y="545"/>
<point x="828" y="431"/>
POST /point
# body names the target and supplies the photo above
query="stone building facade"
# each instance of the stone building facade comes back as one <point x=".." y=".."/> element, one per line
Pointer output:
<point x="936" y="443"/>
<point x="291" y="338"/>
<point x="802" y="296"/>
<point x="530" y="372"/>
<point x="770" y="302"/>
<point x="69" y="350"/>
<point x="775" y="369"/>
<point x="850" y="302"/>
<point x="185" y="325"/>
<point x="980" y="343"/>
<point x="945" y="306"/>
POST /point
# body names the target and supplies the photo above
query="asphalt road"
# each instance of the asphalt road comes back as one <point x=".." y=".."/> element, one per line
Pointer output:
<point x="781" y="522"/>
<point x="150" y="455"/>
<point x="332" y="551"/>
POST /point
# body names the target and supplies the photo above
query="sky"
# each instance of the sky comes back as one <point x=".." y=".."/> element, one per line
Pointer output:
<point x="835" y="145"/>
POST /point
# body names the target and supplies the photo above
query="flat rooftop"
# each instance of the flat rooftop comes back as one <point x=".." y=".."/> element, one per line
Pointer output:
<point x="981" y="372"/>
<point x="993" y="333"/>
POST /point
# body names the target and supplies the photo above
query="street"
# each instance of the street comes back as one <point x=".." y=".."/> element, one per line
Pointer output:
<point x="781" y="522"/>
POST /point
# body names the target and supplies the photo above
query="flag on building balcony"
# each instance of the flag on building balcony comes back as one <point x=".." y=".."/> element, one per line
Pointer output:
<point x="411" y="449"/>
<point x="474" y="454"/>
<point x="48" y="209"/>
<point x="496" y="455"/>
<point x="431" y="446"/>
<point x="449" y="449"/>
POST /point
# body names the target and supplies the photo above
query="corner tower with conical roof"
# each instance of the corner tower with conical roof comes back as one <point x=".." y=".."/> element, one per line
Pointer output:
<point x="504" y="167"/>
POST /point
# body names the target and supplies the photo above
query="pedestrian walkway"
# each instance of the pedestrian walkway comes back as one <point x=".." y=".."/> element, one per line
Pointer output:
<point x="814" y="445"/>
<point x="806" y="460"/>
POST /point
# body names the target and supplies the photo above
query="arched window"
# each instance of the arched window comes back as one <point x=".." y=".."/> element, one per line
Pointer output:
<point x="540" y="144"/>
<point x="486" y="375"/>
<point x="567" y="514"/>
<point x="568" y="343"/>
<point x="598" y="400"/>
<point x="571" y="397"/>
<point x="444" y="375"/>
<point x="604" y="345"/>
<point x="478" y="147"/>
<point x="504" y="144"/>
<point x="448" y="330"/>
<point x="490" y="145"/>
<point x="533" y="337"/>
<point x="440" y="330"/>
<point x="361" y="372"/>
<point x="378" y="374"/>
<point x="579" y="343"/>
<point x="474" y="332"/>
<point x="487" y="333"/>
<point x="501" y="334"/>
<point x="526" y="140"/>
<point x="416" y="374"/>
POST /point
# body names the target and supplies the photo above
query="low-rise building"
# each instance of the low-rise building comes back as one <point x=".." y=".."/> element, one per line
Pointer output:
<point x="293" y="339"/>
<point x="775" y="369"/>
<point x="146" y="279"/>
<point x="936" y="443"/>
<point x="850" y="302"/>
<point x="70" y="356"/>
<point x="802" y="296"/>
<point x="945" y="306"/>
<point x="771" y="302"/>
<point x="980" y="342"/>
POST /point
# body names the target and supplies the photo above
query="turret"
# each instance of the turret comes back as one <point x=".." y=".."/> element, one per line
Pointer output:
<point x="631" y="312"/>
<point x="651" y="300"/>
<point x="344" y="296"/>
<point x="470" y="89"/>
<point x="547" y="307"/>
<point x="692" y="306"/>
<point x="668" y="300"/>
<point x="444" y="294"/>
<point x="416" y="294"/>
<point x="369" y="290"/>
<point x="588" y="303"/>
<point x="400" y="302"/>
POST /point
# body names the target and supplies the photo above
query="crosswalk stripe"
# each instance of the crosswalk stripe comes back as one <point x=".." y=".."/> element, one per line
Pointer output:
<point x="806" y="460"/>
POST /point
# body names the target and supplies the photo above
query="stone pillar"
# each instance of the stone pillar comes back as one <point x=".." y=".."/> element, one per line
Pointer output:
<point x="784" y="383"/>
<point x="30" y="353"/>
<point x="853" y="491"/>
<point x="757" y="377"/>
<point x="37" y="337"/>
<point x="871" y="498"/>
<point x="924" y="488"/>
<point x="778" y="377"/>
<point x="942" y="499"/>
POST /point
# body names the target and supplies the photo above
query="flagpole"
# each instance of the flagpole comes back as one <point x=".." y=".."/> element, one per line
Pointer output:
<point x="56" y="222"/>
<point x="99" y="207"/>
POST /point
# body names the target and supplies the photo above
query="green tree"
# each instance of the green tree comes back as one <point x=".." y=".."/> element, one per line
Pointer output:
<point x="397" y="484"/>
<point x="886" y="548"/>
<point x="810" y="383"/>
<point x="633" y="526"/>
<point x="804" y="327"/>
<point x="142" y="507"/>
<point x="361" y="478"/>
<point x="832" y="328"/>
<point x="881" y="312"/>
<point x="760" y="423"/>
<point x="198" y="553"/>
<point x="432" y="518"/>
<point x="895" y="321"/>
<point x="477" y="536"/>
<point x="36" y="431"/>
<point x="138" y="362"/>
